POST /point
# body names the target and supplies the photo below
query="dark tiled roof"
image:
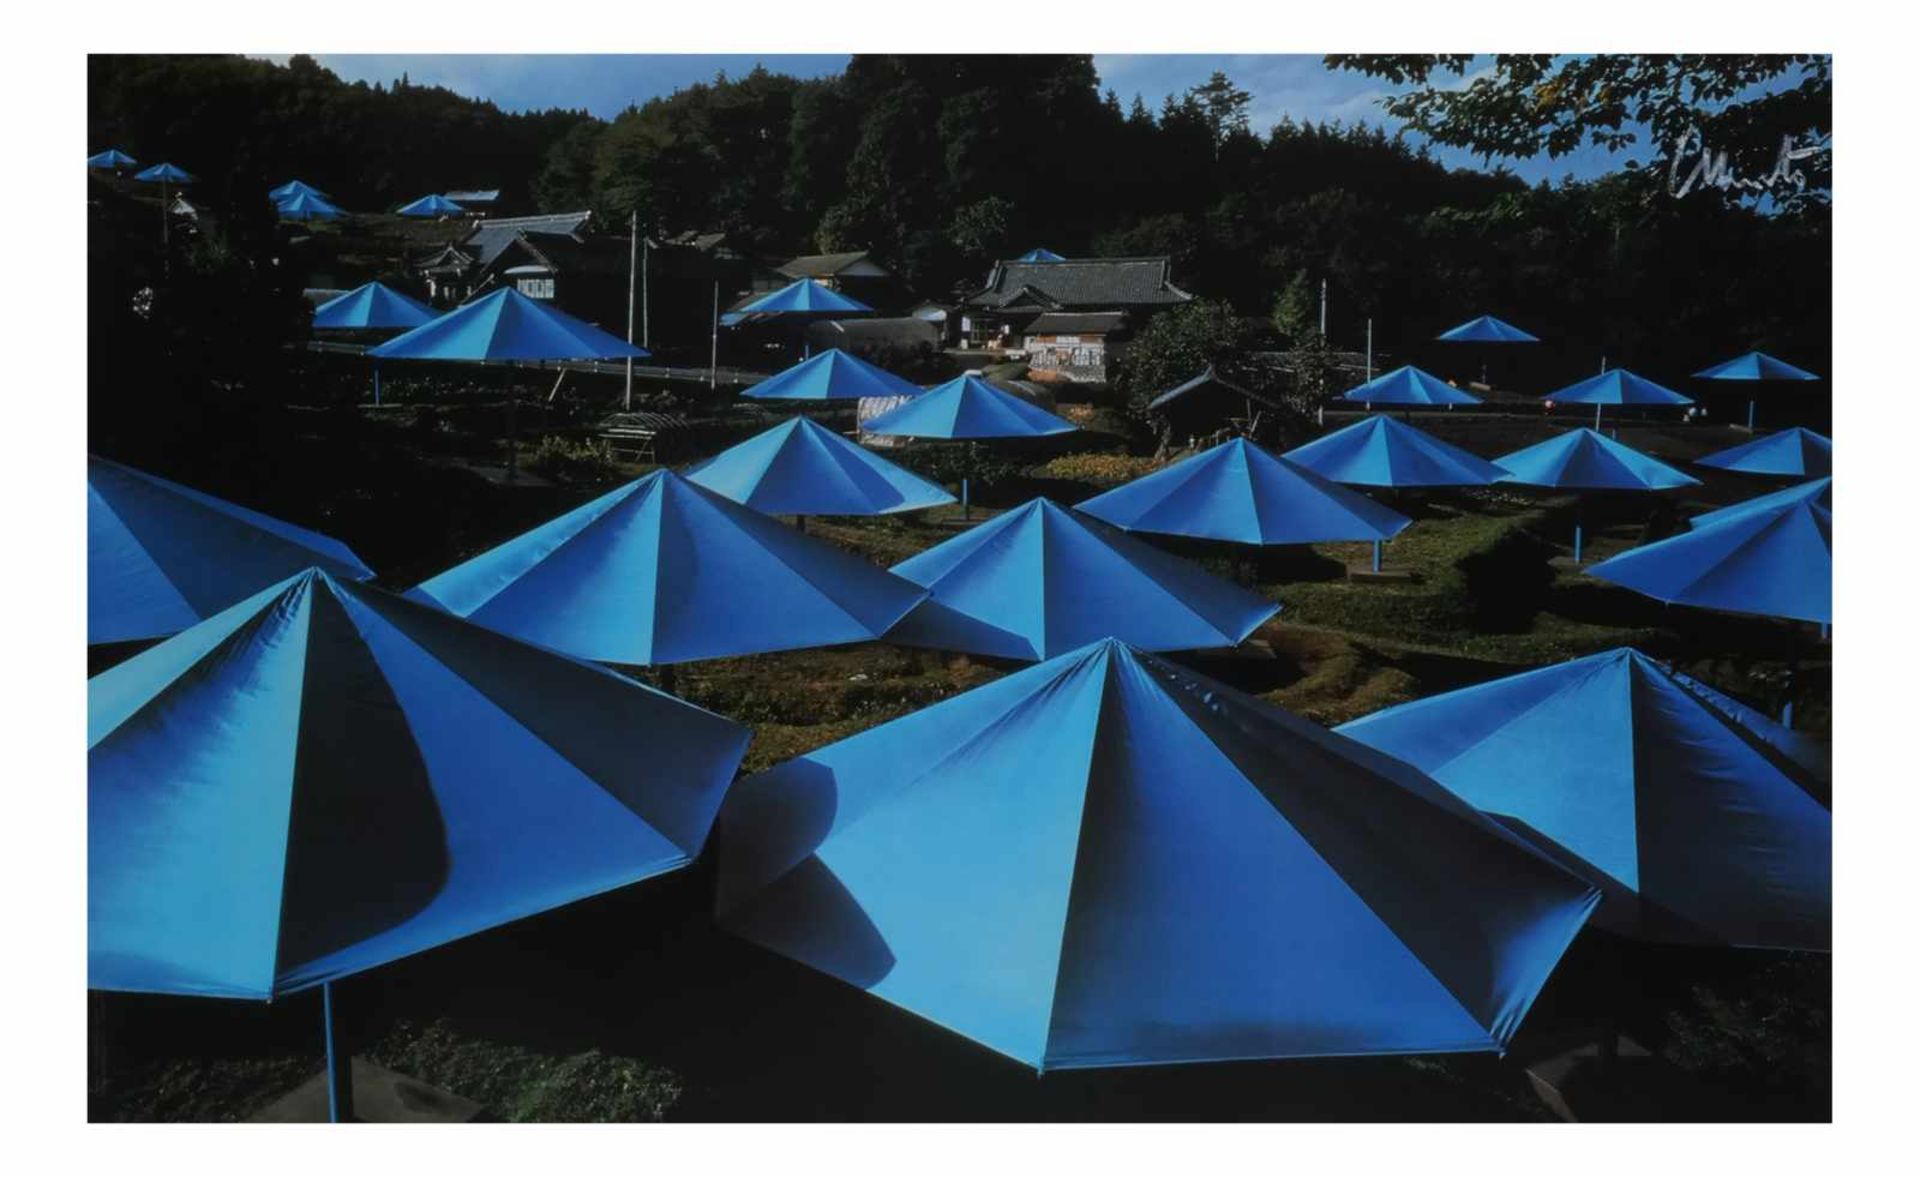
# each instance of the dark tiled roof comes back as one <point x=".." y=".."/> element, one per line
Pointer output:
<point x="1206" y="382"/>
<point x="822" y="265"/>
<point x="567" y="254"/>
<point x="1082" y="282"/>
<point x="490" y="237"/>
<point x="1095" y="323"/>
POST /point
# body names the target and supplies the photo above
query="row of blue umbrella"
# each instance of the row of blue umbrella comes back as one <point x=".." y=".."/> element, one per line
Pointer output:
<point x="1014" y="863"/>
<point x="296" y="200"/>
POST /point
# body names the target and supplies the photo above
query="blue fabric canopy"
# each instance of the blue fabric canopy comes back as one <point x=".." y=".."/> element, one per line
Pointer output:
<point x="1585" y="459"/>
<point x="1790" y="453"/>
<point x="663" y="571"/>
<point x="967" y="407"/>
<point x="372" y="306"/>
<point x="1754" y="366"/>
<point x="1673" y="799"/>
<point x="506" y="325"/>
<point x="1108" y="860"/>
<point x="1409" y="386"/>
<point x="164" y="173"/>
<point x="802" y="468"/>
<point x="1040" y="580"/>
<point x="305" y="206"/>
<point x="431" y="206"/>
<point x="294" y="188"/>
<point x="1040" y="255"/>
<point x="832" y="375"/>
<point x="1487" y="329"/>
<point x="162" y="557"/>
<point x="326" y="777"/>
<point x="804" y="297"/>
<point x="1772" y="559"/>
<point x="1380" y="451"/>
<point x="1617" y="387"/>
<point x="112" y="157"/>
<point x="1818" y="492"/>
<point x="1240" y="493"/>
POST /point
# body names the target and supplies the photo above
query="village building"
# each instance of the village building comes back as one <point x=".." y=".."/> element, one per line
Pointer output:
<point x="1002" y="313"/>
<point x="1077" y="348"/>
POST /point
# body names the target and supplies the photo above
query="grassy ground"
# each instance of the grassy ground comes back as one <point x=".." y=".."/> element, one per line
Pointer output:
<point x="635" y="1007"/>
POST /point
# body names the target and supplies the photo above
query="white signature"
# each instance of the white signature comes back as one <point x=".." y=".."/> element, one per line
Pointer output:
<point x="1711" y="169"/>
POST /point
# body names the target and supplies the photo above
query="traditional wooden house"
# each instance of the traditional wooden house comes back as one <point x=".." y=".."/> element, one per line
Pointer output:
<point x="1078" y="348"/>
<point x="457" y="272"/>
<point x="1210" y="406"/>
<point x="1016" y="293"/>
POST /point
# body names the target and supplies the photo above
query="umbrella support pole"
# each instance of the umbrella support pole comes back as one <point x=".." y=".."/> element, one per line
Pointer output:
<point x="1596" y="418"/>
<point x="966" y="507"/>
<point x="376" y="386"/>
<point x="1793" y="672"/>
<point x="339" y="1066"/>
<point x="1749" y="416"/>
<point x="1376" y="555"/>
<point x="1577" y="537"/>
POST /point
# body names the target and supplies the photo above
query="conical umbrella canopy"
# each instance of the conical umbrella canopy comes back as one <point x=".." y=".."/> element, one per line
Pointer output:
<point x="1240" y="493"/>
<point x="1673" y="799"/>
<point x="430" y="206"/>
<point x="372" y="306"/>
<point x="1818" y="492"/>
<point x="663" y="571"/>
<point x="326" y="777"/>
<point x="1409" y="386"/>
<point x="305" y="206"/>
<point x="1755" y="366"/>
<point x="164" y="173"/>
<point x="1108" y="860"/>
<point x="1487" y="329"/>
<point x="1585" y="459"/>
<point x="1618" y="387"/>
<point x="802" y="468"/>
<point x="506" y="325"/>
<point x="1040" y="255"/>
<point x="1380" y="451"/>
<point x="1791" y="453"/>
<point x="832" y="375"/>
<point x="1776" y="561"/>
<point x="162" y="557"/>
<point x="112" y="157"/>
<point x="1039" y="581"/>
<point x="294" y="188"/>
<point x="967" y="407"/>
<point x="804" y="297"/>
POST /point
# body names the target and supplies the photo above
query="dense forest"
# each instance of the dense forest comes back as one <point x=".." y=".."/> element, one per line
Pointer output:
<point x="940" y="164"/>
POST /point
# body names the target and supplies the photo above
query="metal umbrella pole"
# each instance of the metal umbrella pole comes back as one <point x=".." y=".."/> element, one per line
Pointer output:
<point x="339" y="1065"/>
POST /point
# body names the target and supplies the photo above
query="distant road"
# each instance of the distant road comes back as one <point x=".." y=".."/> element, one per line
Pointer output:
<point x="726" y="376"/>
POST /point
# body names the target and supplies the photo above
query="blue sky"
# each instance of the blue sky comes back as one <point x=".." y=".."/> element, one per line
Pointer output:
<point x="1281" y="84"/>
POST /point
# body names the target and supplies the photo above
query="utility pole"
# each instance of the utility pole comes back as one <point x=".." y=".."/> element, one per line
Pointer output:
<point x="713" y="372"/>
<point x="646" y="320"/>
<point x="1323" y="308"/>
<point x="1369" y="349"/>
<point x="633" y="254"/>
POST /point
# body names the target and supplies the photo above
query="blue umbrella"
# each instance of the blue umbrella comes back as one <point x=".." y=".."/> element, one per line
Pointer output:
<point x="1486" y="329"/>
<point x="1380" y="451"/>
<point x="305" y="206"/>
<point x="1617" y="387"/>
<point x="663" y="571"/>
<point x="1409" y="386"/>
<point x="372" y="306"/>
<point x="506" y="325"/>
<point x="113" y="158"/>
<point x="805" y="297"/>
<point x="1694" y="814"/>
<point x="1774" y="559"/>
<point x="1040" y="255"/>
<point x="293" y="188"/>
<point x="832" y="375"/>
<point x="1818" y="492"/>
<point x="431" y="206"/>
<point x="1754" y="366"/>
<point x="1108" y="860"/>
<point x="1242" y="494"/>
<point x="325" y="778"/>
<point x="1588" y="460"/>
<point x="1039" y="581"/>
<point x="802" y="468"/>
<point x="1791" y="453"/>
<point x="162" y="557"/>
<point x="966" y="408"/>
<point x="164" y="173"/>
